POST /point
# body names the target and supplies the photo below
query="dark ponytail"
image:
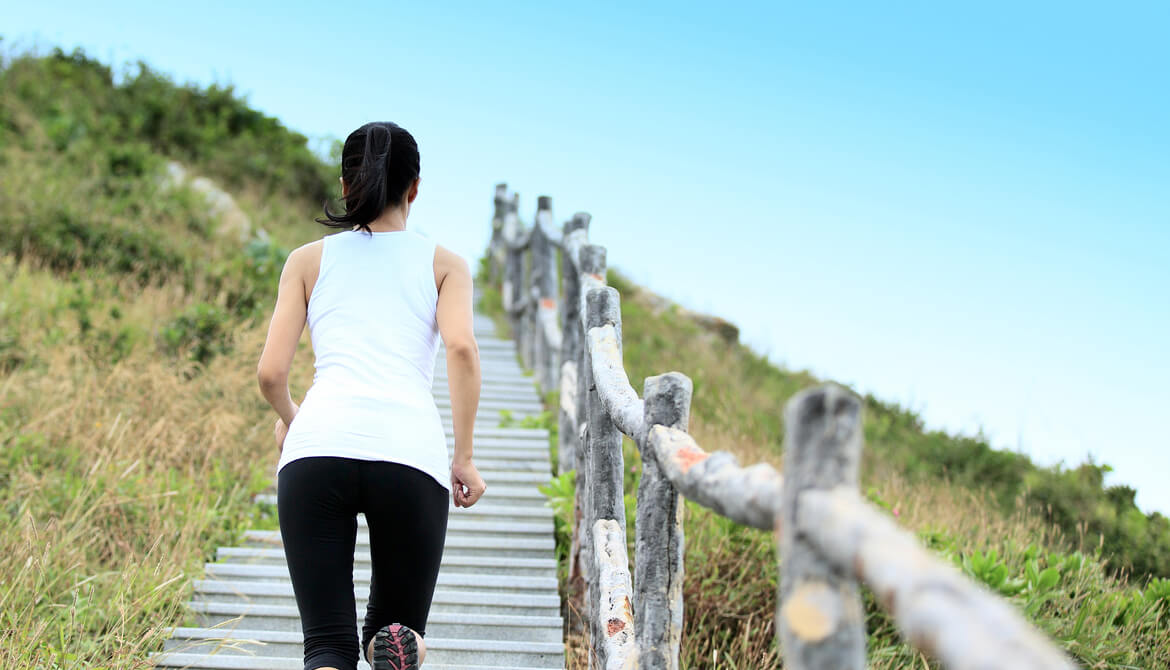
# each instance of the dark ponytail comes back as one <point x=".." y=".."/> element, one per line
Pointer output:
<point x="377" y="178"/>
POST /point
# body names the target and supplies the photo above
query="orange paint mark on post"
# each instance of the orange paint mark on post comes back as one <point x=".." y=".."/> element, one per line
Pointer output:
<point x="597" y="277"/>
<point x="687" y="456"/>
<point x="548" y="303"/>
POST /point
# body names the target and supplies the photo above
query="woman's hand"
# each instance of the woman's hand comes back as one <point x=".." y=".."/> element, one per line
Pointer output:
<point x="466" y="484"/>
<point x="280" y="430"/>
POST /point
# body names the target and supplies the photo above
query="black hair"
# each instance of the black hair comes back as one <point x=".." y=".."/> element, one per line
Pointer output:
<point x="377" y="177"/>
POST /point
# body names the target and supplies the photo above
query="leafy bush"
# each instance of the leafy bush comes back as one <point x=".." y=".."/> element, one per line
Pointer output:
<point x="560" y="491"/>
<point x="65" y="238"/>
<point x="200" y="331"/>
<point x="250" y="278"/>
<point x="214" y="128"/>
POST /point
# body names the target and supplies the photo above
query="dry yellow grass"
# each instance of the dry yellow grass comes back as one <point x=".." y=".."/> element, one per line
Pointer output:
<point x="119" y="480"/>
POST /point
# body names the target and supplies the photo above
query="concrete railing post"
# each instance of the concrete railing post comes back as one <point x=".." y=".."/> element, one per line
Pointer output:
<point x="658" y="549"/>
<point x="592" y="262"/>
<point x="604" y="462"/>
<point x="514" y="269"/>
<point x="496" y="254"/>
<point x="568" y="443"/>
<point x="544" y="281"/>
<point x="821" y="621"/>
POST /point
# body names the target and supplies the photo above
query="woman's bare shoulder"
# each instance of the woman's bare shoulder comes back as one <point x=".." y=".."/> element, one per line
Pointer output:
<point x="305" y="261"/>
<point x="446" y="263"/>
<point x="306" y="254"/>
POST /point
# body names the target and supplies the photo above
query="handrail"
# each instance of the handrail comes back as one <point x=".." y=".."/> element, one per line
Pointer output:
<point x="830" y="537"/>
<point x="942" y="612"/>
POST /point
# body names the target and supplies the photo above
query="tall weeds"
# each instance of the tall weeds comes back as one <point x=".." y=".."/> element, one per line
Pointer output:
<point x="118" y="481"/>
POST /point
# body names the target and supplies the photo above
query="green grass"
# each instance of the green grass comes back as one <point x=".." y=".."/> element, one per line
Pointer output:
<point x="132" y="437"/>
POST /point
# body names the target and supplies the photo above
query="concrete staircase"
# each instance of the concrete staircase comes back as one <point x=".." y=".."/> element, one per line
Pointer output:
<point x="496" y="604"/>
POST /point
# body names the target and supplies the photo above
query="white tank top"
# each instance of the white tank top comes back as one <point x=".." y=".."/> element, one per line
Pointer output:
<point x="371" y="317"/>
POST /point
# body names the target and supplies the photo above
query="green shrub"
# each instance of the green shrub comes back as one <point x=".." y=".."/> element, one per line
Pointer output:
<point x="201" y="332"/>
<point x="213" y="128"/>
<point x="66" y="238"/>
<point x="560" y="491"/>
<point x="250" y="277"/>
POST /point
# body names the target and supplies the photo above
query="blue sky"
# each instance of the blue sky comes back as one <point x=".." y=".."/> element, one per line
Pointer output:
<point x="963" y="209"/>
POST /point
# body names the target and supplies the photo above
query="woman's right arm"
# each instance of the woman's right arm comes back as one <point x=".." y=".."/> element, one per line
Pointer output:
<point x="454" y="316"/>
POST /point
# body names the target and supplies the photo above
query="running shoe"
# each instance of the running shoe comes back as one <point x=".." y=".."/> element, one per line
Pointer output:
<point x="395" y="648"/>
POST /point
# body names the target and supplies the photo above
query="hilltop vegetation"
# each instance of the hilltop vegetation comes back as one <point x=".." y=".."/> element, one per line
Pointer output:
<point x="131" y="432"/>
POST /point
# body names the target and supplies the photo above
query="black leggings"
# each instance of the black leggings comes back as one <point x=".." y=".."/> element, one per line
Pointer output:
<point x="318" y="500"/>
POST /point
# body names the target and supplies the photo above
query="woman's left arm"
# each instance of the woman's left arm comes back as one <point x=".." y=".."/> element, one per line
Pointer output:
<point x="284" y="331"/>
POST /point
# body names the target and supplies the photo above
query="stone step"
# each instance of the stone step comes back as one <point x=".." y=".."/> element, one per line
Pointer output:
<point x="449" y="580"/>
<point x="536" y="442"/>
<point x="539" y="463"/>
<point x="443" y="621"/>
<point x="482" y="421"/>
<point x="490" y="510"/>
<point x="532" y="449"/>
<point x="488" y="397"/>
<point x="513" y="477"/>
<point x="514" y="433"/>
<point x="506" y="495"/>
<point x="221" y="662"/>
<point x="493" y="653"/>
<point x="493" y="414"/>
<point x="491" y="565"/>
<point x="443" y="402"/>
<point x="489" y="358"/>
<point x="490" y="391"/>
<point x="485" y="508"/>
<point x="488" y="352"/>
<point x="456" y="543"/>
<point x="497" y="377"/>
<point x="481" y="525"/>
<point x="509" y="381"/>
<point x="527" y="384"/>
<point x="511" y="433"/>
<point x="468" y="602"/>
<point x="486" y="526"/>
<point x="535" y="454"/>
<point x="494" y="389"/>
<point x="485" y="342"/>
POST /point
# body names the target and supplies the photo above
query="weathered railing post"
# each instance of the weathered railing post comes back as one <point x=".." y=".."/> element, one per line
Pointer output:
<point x="497" y="254"/>
<point x="528" y="314"/>
<point x="513" y="268"/>
<point x="544" y="277"/>
<point x="658" y="549"/>
<point x="592" y="262"/>
<point x="568" y="443"/>
<point x="611" y="623"/>
<point x="821" y="621"/>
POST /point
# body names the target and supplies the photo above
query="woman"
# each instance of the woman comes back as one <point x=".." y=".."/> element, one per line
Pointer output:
<point x="368" y="437"/>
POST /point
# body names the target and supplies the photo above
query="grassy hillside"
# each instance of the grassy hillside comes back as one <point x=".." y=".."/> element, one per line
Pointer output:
<point x="1055" y="541"/>
<point x="131" y="320"/>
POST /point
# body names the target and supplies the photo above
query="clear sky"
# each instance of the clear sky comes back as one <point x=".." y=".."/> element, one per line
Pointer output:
<point x="965" y="209"/>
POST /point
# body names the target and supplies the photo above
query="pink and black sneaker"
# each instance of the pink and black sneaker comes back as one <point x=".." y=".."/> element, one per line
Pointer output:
<point x="395" y="648"/>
